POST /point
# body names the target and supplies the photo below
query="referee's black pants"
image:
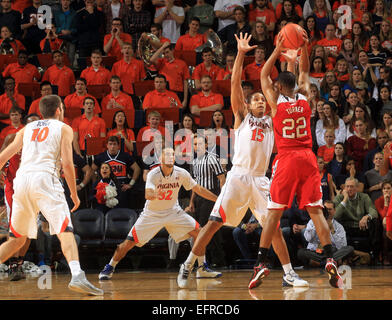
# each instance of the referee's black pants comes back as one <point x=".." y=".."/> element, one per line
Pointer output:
<point x="215" y="253"/>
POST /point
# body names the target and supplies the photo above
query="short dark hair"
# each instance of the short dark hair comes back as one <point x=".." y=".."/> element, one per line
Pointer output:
<point x="156" y="25"/>
<point x="44" y="83"/>
<point x="206" y="50"/>
<point x="287" y="79"/>
<point x="57" y="51"/>
<point x="114" y="139"/>
<point x="15" y="109"/>
<point x="88" y="98"/>
<point x="247" y="84"/>
<point x="195" y="19"/>
<point x="48" y="105"/>
<point x="81" y="79"/>
<point x="161" y="76"/>
<point x="23" y="52"/>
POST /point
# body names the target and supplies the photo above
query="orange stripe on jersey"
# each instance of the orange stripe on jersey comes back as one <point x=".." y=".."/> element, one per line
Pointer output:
<point x="17" y="235"/>
<point x="65" y="224"/>
<point x="134" y="235"/>
<point x="222" y="214"/>
<point x="197" y="226"/>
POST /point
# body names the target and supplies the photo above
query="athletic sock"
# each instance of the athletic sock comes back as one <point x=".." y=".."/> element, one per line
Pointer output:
<point x="113" y="263"/>
<point x="190" y="261"/>
<point x="75" y="267"/>
<point x="262" y="255"/>
<point x="201" y="260"/>
<point x="287" y="268"/>
<point x="328" y="251"/>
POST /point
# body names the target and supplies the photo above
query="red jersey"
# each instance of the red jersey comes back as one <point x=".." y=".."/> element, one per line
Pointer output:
<point x="292" y="123"/>
<point x="11" y="167"/>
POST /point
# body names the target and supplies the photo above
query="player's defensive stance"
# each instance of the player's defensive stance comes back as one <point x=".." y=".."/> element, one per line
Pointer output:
<point x="46" y="147"/>
<point x="163" y="211"/>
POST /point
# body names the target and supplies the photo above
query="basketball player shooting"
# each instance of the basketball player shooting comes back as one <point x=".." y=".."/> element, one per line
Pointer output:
<point x="295" y="169"/>
<point x="46" y="147"/>
<point x="246" y="185"/>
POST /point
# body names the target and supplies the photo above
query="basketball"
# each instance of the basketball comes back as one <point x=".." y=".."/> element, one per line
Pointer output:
<point x="293" y="36"/>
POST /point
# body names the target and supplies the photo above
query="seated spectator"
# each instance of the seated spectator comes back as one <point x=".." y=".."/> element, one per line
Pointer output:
<point x="385" y="123"/>
<point x="161" y="97"/>
<point x="313" y="254"/>
<point x="252" y="70"/>
<point x="361" y="113"/>
<point x="289" y="12"/>
<point x="320" y="51"/>
<point x="261" y="36"/>
<point x="204" y="12"/>
<point x="139" y="20"/>
<point x="183" y="139"/>
<point x="327" y="184"/>
<point x="219" y="133"/>
<point x="123" y="166"/>
<point x="356" y="212"/>
<point x="60" y="75"/>
<point x="226" y="73"/>
<point x="327" y="151"/>
<point x="317" y="71"/>
<point x="335" y="95"/>
<point x="243" y="233"/>
<point x="152" y="129"/>
<point x="22" y="71"/>
<point x="192" y="39"/>
<point x="86" y="126"/>
<point x="10" y="98"/>
<point x="96" y="73"/>
<point x="11" y="18"/>
<point x="205" y="100"/>
<point x="327" y="83"/>
<point x="175" y="70"/>
<point x="382" y="205"/>
<point x="337" y="166"/>
<point x="116" y="98"/>
<point x="261" y="12"/>
<point x="373" y="178"/>
<point x="170" y="17"/>
<point x="352" y="101"/>
<point x="120" y="128"/>
<point x="383" y="79"/>
<point x="368" y="71"/>
<point x="382" y="139"/>
<point x="354" y="79"/>
<point x="32" y="33"/>
<point x="15" y="116"/>
<point x="341" y="70"/>
<point x="129" y="69"/>
<point x="322" y="14"/>
<point x="314" y="34"/>
<point x="46" y="89"/>
<point x="113" y="42"/>
<point x="156" y="30"/>
<point x="247" y="89"/>
<point x="207" y="67"/>
<point x="8" y="43"/>
<point x="384" y="102"/>
<point x="116" y="10"/>
<point x="385" y="35"/>
<point x="51" y="42"/>
<point x="76" y="99"/>
<point x="331" y="43"/>
<point x="348" y="53"/>
<point x="376" y="54"/>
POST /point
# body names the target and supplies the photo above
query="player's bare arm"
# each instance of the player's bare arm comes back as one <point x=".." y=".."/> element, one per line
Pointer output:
<point x="8" y="139"/>
<point x="14" y="147"/>
<point x="150" y="194"/>
<point x="205" y="193"/>
<point x="68" y="164"/>
<point x="291" y="58"/>
<point x="303" y="77"/>
<point x="267" y="85"/>
<point x="237" y="98"/>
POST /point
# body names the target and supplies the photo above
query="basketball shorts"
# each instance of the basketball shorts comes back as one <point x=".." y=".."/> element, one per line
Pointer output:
<point x="295" y="173"/>
<point x="35" y="192"/>
<point x="241" y="191"/>
<point x="176" y="221"/>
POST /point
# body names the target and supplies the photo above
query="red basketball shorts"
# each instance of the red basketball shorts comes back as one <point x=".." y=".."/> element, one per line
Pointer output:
<point x="295" y="173"/>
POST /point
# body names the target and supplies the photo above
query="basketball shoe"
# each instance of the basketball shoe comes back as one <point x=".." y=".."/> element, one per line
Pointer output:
<point x="335" y="279"/>
<point x="15" y="270"/>
<point x="205" y="272"/>
<point x="80" y="284"/>
<point x="292" y="279"/>
<point x="183" y="276"/>
<point x="259" y="272"/>
<point x="106" y="273"/>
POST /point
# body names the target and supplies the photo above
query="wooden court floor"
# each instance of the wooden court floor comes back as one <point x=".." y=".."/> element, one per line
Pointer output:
<point x="362" y="284"/>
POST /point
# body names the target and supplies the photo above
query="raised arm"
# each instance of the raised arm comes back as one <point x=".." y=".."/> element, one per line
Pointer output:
<point x="12" y="148"/>
<point x="237" y="98"/>
<point x="304" y="66"/>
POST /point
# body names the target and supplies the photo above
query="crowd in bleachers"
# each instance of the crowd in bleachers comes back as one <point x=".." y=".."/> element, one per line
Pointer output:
<point x="124" y="67"/>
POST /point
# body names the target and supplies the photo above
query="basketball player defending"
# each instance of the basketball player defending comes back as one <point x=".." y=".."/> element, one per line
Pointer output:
<point x="246" y="185"/>
<point x="162" y="210"/>
<point x="46" y="144"/>
<point x="295" y="169"/>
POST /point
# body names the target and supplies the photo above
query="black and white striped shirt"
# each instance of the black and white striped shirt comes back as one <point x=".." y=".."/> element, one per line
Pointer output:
<point x="205" y="171"/>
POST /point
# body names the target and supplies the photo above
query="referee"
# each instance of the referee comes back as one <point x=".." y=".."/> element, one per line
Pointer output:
<point x="208" y="172"/>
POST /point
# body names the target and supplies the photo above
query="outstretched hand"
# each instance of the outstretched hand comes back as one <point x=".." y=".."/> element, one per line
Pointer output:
<point x="243" y="43"/>
<point x="291" y="55"/>
<point x="279" y="43"/>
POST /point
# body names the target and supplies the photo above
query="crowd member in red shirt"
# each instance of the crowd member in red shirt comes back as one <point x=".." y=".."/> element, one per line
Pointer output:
<point x="205" y="100"/>
<point x="331" y="44"/>
<point x="192" y="39"/>
<point x="120" y="128"/>
<point x="153" y="128"/>
<point x="252" y="70"/>
<point x="317" y="71"/>
<point x="161" y="97"/>
<point x="226" y="73"/>
<point x="15" y="116"/>
<point x="117" y="99"/>
<point x="6" y="35"/>
<point x="60" y="75"/>
<point x="156" y="30"/>
<point x="327" y="151"/>
<point x="261" y="12"/>
<point x="175" y="70"/>
<point x="51" y="42"/>
<point x="46" y="89"/>
<point x="129" y="69"/>
<point x="113" y="42"/>
<point x="96" y="74"/>
<point x="341" y="70"/>
<point x="22" y="71"/>
<point x="10" y="98"/>
<point x="87" y="125"/>
<point x="76" y="99"/>
<point x="207" y="67"/>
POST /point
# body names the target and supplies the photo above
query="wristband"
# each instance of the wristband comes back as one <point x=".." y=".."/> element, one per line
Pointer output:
<point x="82" y="185"/>
<point x="132" y="182"/>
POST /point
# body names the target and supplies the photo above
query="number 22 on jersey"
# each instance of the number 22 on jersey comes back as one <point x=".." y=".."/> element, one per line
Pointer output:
<point x="40" y="134"/>
<point x="294" y="129"/>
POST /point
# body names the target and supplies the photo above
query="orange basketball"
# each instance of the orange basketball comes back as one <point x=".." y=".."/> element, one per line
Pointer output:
<point x="293" y="36"/>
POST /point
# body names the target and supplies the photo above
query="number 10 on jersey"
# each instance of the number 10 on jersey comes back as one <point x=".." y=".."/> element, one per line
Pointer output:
<point x="40" y="134"/>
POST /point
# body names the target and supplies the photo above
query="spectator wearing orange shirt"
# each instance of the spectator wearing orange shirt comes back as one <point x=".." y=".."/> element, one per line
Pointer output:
<point x="129" y="69"/>
<point x="192" y="39"/>
<point x="252" y="70"/>
<point x="60" y="75"/>
<point x="46" y="89"/>
<point x="120" y="128"/>
<point x="7" y="36"/>
<point x="226" y="73"/>
<point x="113" y="42"/>
<point x="22" y="71"/>
<point x="152" y="129"/>
<point x="175" y="70"/>
<point x="51" y="42"/>
<point x="117" y="99"/>
<point x="331" y="43"/>
<point x="327" y="151"/>
<point x="207" y="67"/>
<point x="10" y="98"/>
<point x="156" y="30"/>
<point x="87" y="125"/>
<point x="15" y="117"/>
<point x="76" y="99"/>
<point x="161" y="97"/>
<point x="261" y="12"/>
<point x="205" y="100"/>
<point x="96" y="74"/>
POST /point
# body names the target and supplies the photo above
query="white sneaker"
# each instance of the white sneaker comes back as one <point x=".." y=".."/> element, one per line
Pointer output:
<point x="80" y="284"/>
<point x="292" y="279"/>
<point x="3" y="268"/>
<point x="183" y="276"/>
<point x="205" y="272"/>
